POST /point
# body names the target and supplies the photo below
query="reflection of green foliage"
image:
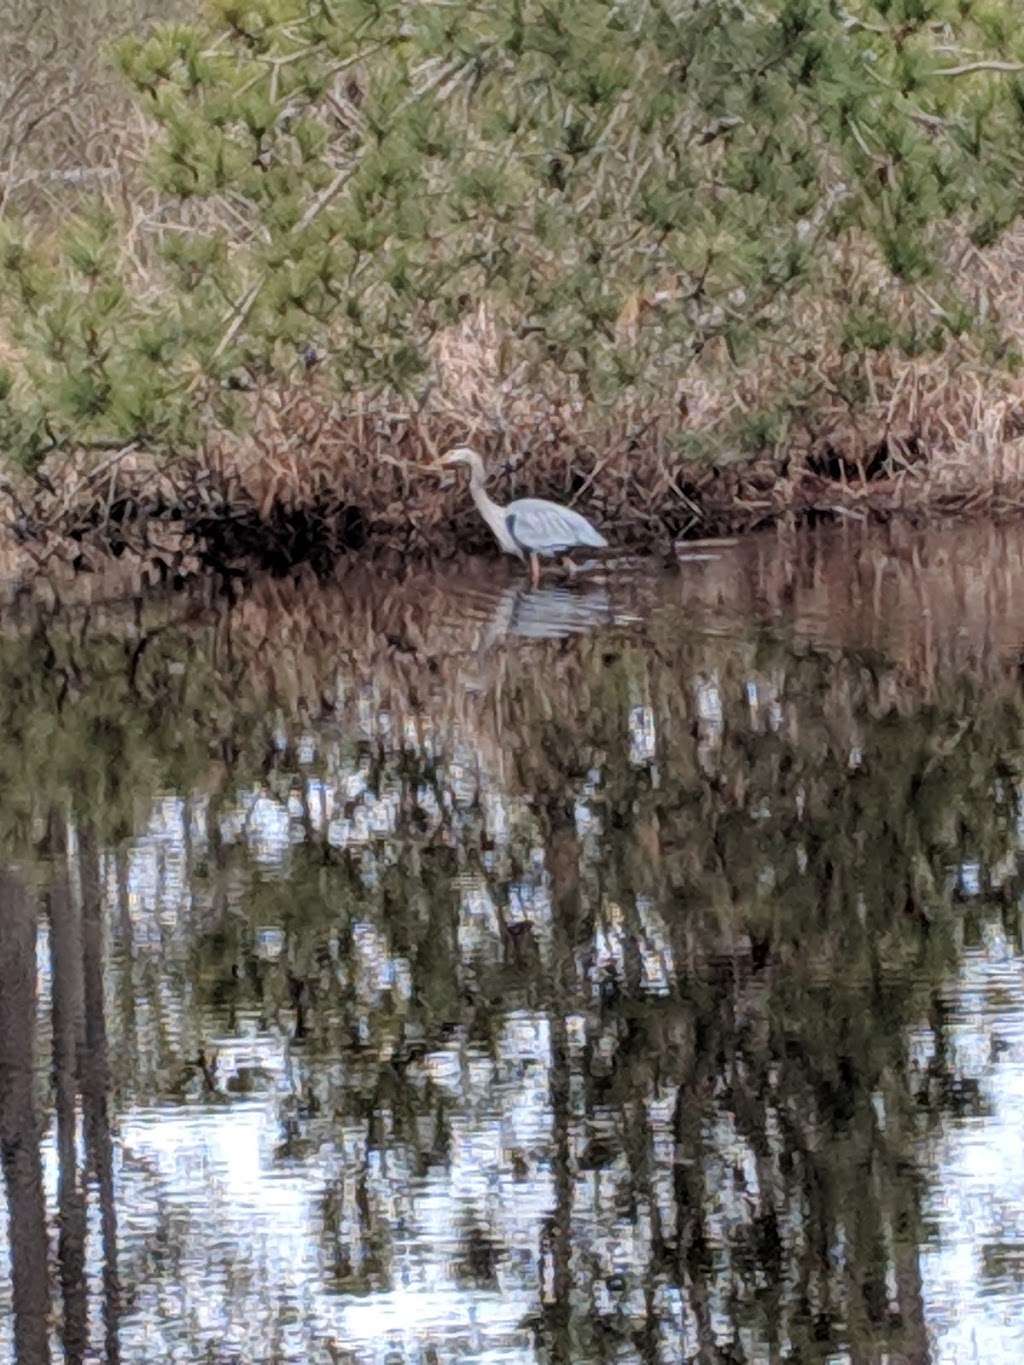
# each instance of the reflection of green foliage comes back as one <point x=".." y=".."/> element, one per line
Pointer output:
<point x="104" y="721"/>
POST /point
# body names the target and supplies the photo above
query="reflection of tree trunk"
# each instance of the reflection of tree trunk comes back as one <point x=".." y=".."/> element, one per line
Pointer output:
<point x="96" y="1081"/>
<point x="819" y="1279"/>
<point x="752" y="1105"/>
<point x="692" y="1248"/>
<point x="19" y="1128"/>
<point x="66" y="967"/>
<point x="863" y="1286"/>
<point x="563" y="866"/>
<point x="636" y="1123"/>
<point x="904" y="1195"/>
<point x="557" y="1291"/>
<point x="128" y="1031"/>
<point x="916" y="1349"/>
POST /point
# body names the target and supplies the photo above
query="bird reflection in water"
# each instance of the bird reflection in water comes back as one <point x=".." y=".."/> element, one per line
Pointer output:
<point x="551" y="613"/>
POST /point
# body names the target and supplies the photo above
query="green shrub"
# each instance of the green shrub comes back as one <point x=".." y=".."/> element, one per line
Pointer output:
<point x="355" y="175"/>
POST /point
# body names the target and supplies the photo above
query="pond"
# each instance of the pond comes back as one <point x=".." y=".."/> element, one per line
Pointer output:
<point x="442" y="970"/>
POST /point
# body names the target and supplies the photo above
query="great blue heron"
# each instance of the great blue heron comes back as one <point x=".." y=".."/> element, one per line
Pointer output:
<point x="528" y="526"/>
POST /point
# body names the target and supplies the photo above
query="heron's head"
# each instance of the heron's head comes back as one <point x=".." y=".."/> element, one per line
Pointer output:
<point x="464" y="455"/>
<point x="461" y="455"/>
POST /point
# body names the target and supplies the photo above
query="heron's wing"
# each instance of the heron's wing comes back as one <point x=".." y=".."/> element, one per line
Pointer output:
<point x="542" y="527"/>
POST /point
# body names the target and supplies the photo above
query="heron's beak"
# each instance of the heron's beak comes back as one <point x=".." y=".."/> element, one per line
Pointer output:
<point x="446" y="473"/>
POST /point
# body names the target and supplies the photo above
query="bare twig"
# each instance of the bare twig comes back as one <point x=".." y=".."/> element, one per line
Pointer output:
<point x="968" y="68"/>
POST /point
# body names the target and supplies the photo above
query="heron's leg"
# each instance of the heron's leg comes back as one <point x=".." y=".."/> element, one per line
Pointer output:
<point x="534" y="570"/>
<point x="571" y="568"/>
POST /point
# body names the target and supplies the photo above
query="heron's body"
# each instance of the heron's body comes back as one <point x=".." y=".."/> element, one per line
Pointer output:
<point x="528" y="527"/>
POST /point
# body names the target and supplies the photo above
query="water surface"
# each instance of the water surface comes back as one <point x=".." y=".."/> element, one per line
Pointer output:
<point x="448" y="970"/>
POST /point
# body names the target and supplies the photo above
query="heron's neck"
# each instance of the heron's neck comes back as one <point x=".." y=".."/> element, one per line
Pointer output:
<point x="478" y="493"/>
<point x="491" y="511"/>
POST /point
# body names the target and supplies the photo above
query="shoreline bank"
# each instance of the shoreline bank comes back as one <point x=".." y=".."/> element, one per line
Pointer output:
<point x="207" y="522"/>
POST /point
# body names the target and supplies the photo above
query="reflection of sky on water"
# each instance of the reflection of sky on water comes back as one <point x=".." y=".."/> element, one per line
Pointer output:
<point x="222" y="1231"/>
<point x="247" y="1229"/>
<point x="973" y="1269"/>
<point x="222" y="1236"/>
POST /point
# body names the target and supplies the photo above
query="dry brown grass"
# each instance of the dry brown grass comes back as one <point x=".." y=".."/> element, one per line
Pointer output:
<point x="67" y="124"/>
